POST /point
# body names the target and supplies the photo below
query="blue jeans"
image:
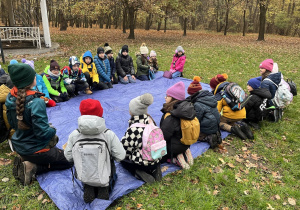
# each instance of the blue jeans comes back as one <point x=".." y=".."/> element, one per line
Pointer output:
<point x="130" y="80"/>
<point x="143" y="77"/>
<point x="176" y="74"/>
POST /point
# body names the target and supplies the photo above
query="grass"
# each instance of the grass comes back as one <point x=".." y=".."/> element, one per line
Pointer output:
<point x="258" y="174"/>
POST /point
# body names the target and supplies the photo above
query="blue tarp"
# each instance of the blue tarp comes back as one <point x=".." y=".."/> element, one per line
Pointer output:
<point x="58" y="184"/>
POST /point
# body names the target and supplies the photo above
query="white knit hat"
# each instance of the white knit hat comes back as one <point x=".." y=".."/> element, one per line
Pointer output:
<point x="139" y="105"/>
<point x="152" y="53"/>
<point x="144" y="50"/>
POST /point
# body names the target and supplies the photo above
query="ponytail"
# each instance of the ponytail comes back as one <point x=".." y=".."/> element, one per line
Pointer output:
<point x="20" y="107"/>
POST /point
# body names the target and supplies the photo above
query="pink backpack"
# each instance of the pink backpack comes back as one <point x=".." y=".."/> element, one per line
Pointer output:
<point x="154" y="144"/>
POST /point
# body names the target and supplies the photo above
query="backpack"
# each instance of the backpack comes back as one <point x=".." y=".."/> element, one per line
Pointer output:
<point x="234" y="96"/>
<point x="293" y="86"/>
<point x="4" y="131"/>
<point x="154" y="144"/>
<point x="283" y="96"/>
<point x="93" y="162"/>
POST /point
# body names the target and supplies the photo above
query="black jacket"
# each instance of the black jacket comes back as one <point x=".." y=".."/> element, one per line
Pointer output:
<point x="256" y="103"/>
<point x="112" y="66"/>
<point x="124" y="65"/>
<point x="172" y="129"/>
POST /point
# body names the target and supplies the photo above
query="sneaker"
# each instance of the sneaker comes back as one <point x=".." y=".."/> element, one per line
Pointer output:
<point x="103" y="193"/>
<point x="27" y="172"/>
<point x="180" y="161"/>
<point x="157" y="173"/>
<point x="247" y="130"/>
<point x="189" y="156"/>
<point x="88" y="193"/>
<point x="238" y="132"/>
<point x="144" y="176"/>
<point x="16" y="165"/>
<point x="273" y="115"/>
<point x="88" y="91"/>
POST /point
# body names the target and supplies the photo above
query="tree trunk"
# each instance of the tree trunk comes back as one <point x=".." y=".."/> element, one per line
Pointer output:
<point x="193" y="23"/>
<point x="148" y="21"/>
<point x="184" y="26"/>
<point x="226" y="17"/>
<point x="262" y="22"/>
<point x="158" y="25"/>
<point x="63" y="22"/>
<point x="131" y="13"/>
<point x="124" y="20"/>
<point x="10" y="13"/>
<point x="244" y="20"/>
<point x="166" y="18"/>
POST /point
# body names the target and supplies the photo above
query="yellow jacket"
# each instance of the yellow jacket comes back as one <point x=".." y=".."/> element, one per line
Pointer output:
<point x="4" y="90"/>
<point x="85" y="68"/>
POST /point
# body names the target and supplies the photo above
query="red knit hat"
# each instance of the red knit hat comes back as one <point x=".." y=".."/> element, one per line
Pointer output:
<point x="195" y="86"/>
<point x="91" y="107"/>
<point x="217" y="80"/>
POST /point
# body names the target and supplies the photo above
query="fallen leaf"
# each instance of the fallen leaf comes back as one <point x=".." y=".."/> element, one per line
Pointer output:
<point x="292" y="201"/>
<point x="181" y="201"/>
<point x="222" y="161"/>
<point x="5" y="179"/>
<point x="244" y="148"/>
<point x="240" y="160"/>
<point x="230" y="165"/>
<point x="270" y="207"/>
<point x="277" y="197"/>
<point x="16" y="195"/>
<point x="285" y="160"/>
<point x="215" y="192"/>
<point x="216" y="187"/>
<point x="4" y="162"/>
<point x="164" y="168"/>
<point x="284" y="203"/>
<point x="18" y="207"/>
<point x="254" y="157"/>
<point x="225" y="208"/>
<point x="218" y="169"/>
<point x="246" y="192"/>
<point x="139" y="205"/>
<point x="45" y="200"/>
<point x="133" y="198"/>
<point x="194" y="181"/>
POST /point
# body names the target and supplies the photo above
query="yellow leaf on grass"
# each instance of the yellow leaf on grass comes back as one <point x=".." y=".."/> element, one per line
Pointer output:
<point x="139" y="205"/>
<point x="181" y="201"/>
<point x="230" y="165"/>
<point x="40" y="197"/>
<point x="215" y="192"/>
<point x="292" y="201"/>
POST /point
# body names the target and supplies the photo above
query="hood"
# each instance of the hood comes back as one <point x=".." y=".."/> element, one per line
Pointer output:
<point x="276" y="78"/>
<point x="262" y="92"/>
<point x="205" y="97"/>
<point x="220" y="87"/>
<point x="46" y="69"/>
<point x="88" y="54"/>
<point x="184" y="109"/>
<point x="91" y="125"/>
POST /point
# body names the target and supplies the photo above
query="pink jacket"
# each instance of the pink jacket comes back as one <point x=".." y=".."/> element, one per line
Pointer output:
<point x="179" y="63"/>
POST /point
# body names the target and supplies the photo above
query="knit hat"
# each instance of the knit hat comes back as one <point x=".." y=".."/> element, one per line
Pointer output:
<point x="124" y="49"/>
<point x="100" y="50"/>
<point x="91" y="107"/>
<point x="107" y="48"/>
<point x="177" y="91"/>
<point x="30" y="63"/>
<point x="275" y="68"/>
<point x="217" y="80"/>
<point x="21" y="74"/>
<point x="144" y="50"/>
<point x="54" y="65"/>
<point x="254" y="82"/>
<point x="267" y="64"/>
<point x="13" y="61"/>
<point x="152" y="53"/>
<point x="139" y="105"/>
<point x="195" y="86"/>
<point x="179" y="49"/>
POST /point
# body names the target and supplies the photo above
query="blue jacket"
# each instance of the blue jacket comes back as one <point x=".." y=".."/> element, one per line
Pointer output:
<point x="39" y="134"/>
<point x="276" y="78"/>
<point x="40" y="86"/>
<point x="205" y="105"/>
<point x="103" y="68"/>
<point x="112" y="66"/>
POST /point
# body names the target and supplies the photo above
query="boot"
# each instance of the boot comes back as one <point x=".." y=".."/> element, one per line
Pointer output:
<point x="189" y="156"/>
<point x="273" y="115"/>
<point x="88" y="91"/>
<point x="157" y="173"/>
<point x="280" y="113"/>
<point x="88" y="193"/>
<point x="254" y="125"/>
<point x="103" y="193"/>
<point x="246" y="130"/>
<point x="144" y="176"/>
<point x="238" y="132"/>
<point x="27" y="172"/>
<point x="180" y="161"/>
<point x="16" y="167"/>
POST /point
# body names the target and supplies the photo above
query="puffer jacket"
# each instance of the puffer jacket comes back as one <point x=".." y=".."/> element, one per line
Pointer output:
<point x="179" y="63"/>
<point x="91" y="127"/>
<point x="276" y="78"/>
<point x="55" y="85"/>
<point x="132" y="141"/>
<point x="124" y="65"/>
<point x="103" y="68"/>
<point x="205" y="105"/>
<point x="90" y="68"/>
<point x="256" y="102"/>
<point x="172" y="129"/>
<point x="142" y="69"/>
<point x="40" y="86"/>
<point x="39" y="134"/>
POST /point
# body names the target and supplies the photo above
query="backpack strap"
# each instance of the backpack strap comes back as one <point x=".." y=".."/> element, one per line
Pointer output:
<point x="272" y="82"/>
<point x="138" y="125"/>
<point x="166" y="115"/>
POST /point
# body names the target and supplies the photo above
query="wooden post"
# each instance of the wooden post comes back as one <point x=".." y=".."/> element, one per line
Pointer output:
<point x="45" y="23"/>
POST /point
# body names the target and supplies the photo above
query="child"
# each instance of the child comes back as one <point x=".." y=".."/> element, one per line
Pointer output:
<point x="256" y="102"/>
<point x="55" y="83"/>
<point x="103" y="69"/>
<point x="153" y="61"/>
<point x="148" y="171"/>
<point x="142" y="64"/>
<point x="74" y="79"/>
<point x="205" y="105"/>
<point x="230" y="120"/>
<point x="89" y="69"/>
<point x="91" y="125"/>
<point x="109" y="53"/>
<point x="124" y="66"/>
<point x="170" y="125"/>
<point x="40" y="86"/>
<point x="34" y="139"/>
<point x="178" y="62"/>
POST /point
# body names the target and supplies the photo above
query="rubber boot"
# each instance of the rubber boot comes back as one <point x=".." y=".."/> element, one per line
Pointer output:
<point x="238" y="132"/>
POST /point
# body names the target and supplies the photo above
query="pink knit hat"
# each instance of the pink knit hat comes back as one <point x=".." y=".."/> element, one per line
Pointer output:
<point x="267" y="64"/>
<point x="177" y="91"/>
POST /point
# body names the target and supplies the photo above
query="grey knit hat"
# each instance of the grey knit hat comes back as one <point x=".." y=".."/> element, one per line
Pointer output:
<point x="139" y="105"/>
<point x="179" y="49"/>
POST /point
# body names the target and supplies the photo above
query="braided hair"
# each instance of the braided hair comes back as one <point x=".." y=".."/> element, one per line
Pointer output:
<point x="20" y="107"/>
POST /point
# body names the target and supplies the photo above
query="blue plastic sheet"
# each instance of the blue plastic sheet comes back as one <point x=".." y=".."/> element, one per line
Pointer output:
<point x="58" y="184"/>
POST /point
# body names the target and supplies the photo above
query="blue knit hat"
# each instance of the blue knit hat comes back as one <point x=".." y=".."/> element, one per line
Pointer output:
<point x="254" y="82"/>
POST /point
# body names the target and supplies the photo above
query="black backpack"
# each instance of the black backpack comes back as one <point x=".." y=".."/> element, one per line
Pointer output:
<point x="293" y="86"/>
<point x="4" y="131"/>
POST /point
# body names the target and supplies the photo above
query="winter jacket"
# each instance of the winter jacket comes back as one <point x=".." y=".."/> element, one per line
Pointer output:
<point x="4" y="91"/>
<point x="90" y="68"/>
<point x="55" y="85"/>
<point x="91" y="126"/>
<point x="132" y="141"/>
<point x="256" y="102"/>
<point x="155" y="66"/>
<point x="40" y="86"/>
<point x="276" y="78"/>
<point x="205" y="105"/>
<point x="112" y="66"/>
<point x="103" y="68"/>
<point x="142" y="69"/>
<point x="224" y="108"/>
<point x="69" y="76"/>
<point x="39" y="134"/>
<point x="179" y="63"/>
<point x="172" y="130"/>
<point x="124" y="65"/>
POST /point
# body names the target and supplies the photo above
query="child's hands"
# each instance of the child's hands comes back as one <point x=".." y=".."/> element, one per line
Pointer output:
<point x="133" y="77"/>
<point x="125" y="78"/>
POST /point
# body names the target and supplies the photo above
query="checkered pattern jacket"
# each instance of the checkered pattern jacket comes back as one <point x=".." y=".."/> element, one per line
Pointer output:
<point x="132" y="141"/>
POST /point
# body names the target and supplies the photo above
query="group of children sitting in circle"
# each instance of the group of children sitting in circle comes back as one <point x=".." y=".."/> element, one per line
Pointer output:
<point x="35" y="138"/>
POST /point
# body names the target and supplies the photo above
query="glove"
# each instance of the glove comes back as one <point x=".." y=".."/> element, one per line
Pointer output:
<point x="51" y="126"/>
<point x="64" y="95"/>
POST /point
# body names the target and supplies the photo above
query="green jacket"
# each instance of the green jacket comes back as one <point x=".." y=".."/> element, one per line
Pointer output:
<point x="54" y="86"/>
<point x="141" y="69"/>
<point x="37" y="137"/>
